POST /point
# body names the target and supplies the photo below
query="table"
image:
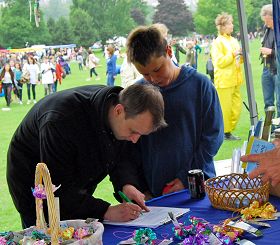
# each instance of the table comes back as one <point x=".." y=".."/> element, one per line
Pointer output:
<point x="199" y="208"/>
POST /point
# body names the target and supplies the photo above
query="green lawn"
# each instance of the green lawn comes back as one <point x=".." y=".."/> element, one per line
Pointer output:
<point x="9" y="218"/>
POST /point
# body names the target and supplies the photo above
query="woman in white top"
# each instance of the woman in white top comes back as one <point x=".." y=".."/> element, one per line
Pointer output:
<point x="33" y="70"/>
<point x="47" y="70"/>
<point x="7" y="79"/>
<point x="92" y="63"/>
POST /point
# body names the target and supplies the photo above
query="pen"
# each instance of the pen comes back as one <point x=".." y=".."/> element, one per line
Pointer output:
<point x="125" y="198"/>
<point x="173" y="219"/>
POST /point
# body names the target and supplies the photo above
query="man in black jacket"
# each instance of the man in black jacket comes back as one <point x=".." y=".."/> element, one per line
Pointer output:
<point x="270" y="83"/>
<point x="83" y="134"/>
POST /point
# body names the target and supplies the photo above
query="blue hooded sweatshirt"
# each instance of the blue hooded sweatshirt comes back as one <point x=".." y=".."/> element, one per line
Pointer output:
<point x="193" y="136"/>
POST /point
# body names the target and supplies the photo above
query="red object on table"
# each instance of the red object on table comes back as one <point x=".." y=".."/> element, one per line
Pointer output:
<point x="166" y="189"/>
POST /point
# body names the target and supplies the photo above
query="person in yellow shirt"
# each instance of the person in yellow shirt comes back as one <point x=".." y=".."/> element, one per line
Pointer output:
<point x="227" y="58"/>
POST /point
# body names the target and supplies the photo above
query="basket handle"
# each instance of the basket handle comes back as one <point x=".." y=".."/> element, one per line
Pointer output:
<point x="42" y="173"/>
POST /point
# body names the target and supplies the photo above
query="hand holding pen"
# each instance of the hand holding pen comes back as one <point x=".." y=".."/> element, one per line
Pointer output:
<point x="133" y="194"/>
<point x="123" y="212"/>
<point x="127" y="200"/>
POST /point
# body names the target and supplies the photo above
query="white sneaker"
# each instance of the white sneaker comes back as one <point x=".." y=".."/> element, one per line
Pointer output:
<point x="34" y="101"/>
<point x="6" y="109"/>
<point x="20" y="102"/>
<point x="88" y="79"/>
<point x="28" y="102"/>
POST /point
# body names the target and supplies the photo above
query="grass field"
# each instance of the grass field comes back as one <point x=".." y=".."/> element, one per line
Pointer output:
<point x="9" y="218"/>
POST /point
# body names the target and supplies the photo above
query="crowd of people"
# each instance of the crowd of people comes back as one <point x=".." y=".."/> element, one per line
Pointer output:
<point x="31" y="69"/>
<point x="168" y="120"/>
<point x="48" y="68"/>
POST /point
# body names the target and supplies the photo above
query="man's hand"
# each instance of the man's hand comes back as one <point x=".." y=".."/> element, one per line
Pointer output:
<point x="122" y="212"/>
<point x="266" y="51"/>
<point x="269" y="164"/>
<point x="133" y="194"/>
<point x="173" y="186"/>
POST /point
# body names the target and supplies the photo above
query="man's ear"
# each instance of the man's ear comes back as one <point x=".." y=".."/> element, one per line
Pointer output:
<point x="169" y="51"/>
<point x="118" y="109"/>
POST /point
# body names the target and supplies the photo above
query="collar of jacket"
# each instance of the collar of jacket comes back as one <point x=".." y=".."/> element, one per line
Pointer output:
<point x="101" y="101"/>
<point x="226" y="36"/>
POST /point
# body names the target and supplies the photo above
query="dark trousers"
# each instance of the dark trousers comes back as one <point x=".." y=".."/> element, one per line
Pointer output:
<point x="19" y="91"/>
<point x="80" y="66"/>
<point x="27" y="220"/>
<point x="7" y="87"/>
<point x="92" y="70"/>
<point x="33" y="91"/>
<point x="54" y="87"/>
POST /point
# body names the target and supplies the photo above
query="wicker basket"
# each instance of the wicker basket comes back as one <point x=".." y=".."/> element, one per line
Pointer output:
<point x="42" y="173"/>
<point x="235" y="191"/>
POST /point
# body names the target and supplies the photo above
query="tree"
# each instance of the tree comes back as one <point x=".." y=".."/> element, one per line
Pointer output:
<point x="51" y="27"/>
<point x="63" y="32"/>
<point x="207" y="11"/>
<point x="110" y="18"/>
<point x="15" y="32"/>
<point x="16" y="29"/>
<point x="175" y="15"/>
<point x="140" y="12"/>
<point x="138" y="16"/>
<point x="84" y="32"/>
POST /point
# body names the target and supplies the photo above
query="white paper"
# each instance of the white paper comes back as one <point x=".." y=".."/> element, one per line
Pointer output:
<point x="156" y="217"/>
<point x="242" y="225"/>
<point x="213" y="240"/>
<point x="245" y="242"/>
<point x="165" y="242"/>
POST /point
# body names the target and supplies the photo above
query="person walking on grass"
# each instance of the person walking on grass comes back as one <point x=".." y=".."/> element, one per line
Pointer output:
<point x="18" y="74"/>
<point x="7" y="80"/>
<point x="111" y="66"/>
<point x="92" y="63"/>
<point x="33" y="69"/>
<point x="80" y="61"/>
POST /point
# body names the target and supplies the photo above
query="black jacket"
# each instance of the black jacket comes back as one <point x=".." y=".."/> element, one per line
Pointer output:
<point x="68" y="131"/>
<point x="268" y="41"/>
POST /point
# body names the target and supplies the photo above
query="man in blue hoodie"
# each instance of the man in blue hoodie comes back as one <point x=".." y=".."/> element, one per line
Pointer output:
<point x="192" y="112"/>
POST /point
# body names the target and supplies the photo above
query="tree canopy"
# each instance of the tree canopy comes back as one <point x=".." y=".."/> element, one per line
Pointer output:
<point x="16" y="29"/>
<point x="109" y="18"/>
<point x="175" y="15"/>
<point x="91" y="21"/>
<point x="207" y="11"/>
<point x="83" y="31"/>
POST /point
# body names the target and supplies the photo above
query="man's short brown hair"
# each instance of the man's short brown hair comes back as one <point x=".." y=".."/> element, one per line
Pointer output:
<point x="143" y="43"/>
<point x="139" y="98"/>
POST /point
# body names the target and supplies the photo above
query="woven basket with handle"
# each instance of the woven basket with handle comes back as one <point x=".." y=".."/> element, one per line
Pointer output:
<point x="235" y="191"/>
<point x="42" y="175"/>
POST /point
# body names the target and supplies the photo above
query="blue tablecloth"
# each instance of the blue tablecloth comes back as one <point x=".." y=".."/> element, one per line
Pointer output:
<point x="199" y="208"/>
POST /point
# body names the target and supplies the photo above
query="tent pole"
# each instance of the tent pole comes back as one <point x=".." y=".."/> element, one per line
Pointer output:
<point x="247" y="64"/>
